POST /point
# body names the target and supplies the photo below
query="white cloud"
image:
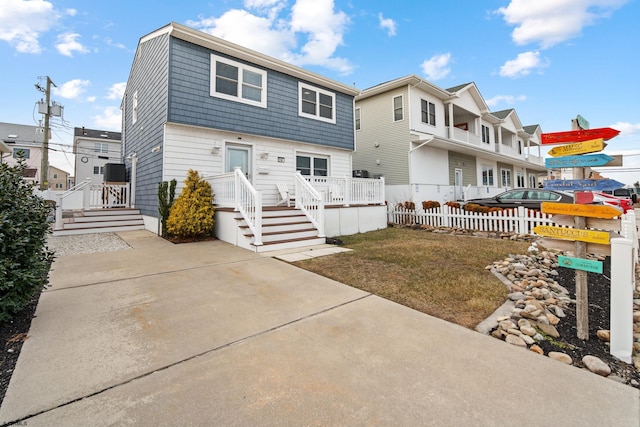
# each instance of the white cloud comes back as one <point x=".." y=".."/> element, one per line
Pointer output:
<point x="109" y="119"/>
<point x="437" y="67"/>
<point x="387" y="24"/>
<point x="71" y="12"/>
<point x="91" y="99"/>
<point x="267" y="28"/>
<point x="505" y="99"/>
<point x="23" y="22"/>
<point x="72" y="89"/>
<point x="626" y="128"/>
<point x="549" y="22"/>
<point x="111" y="43"/>
<point x="116" y="91"/>
<point x="68" y="44"/>
<point x="522" y="65"/>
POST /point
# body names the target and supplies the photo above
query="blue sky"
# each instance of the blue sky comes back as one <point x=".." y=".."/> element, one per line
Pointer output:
<point x="549" y="59"/>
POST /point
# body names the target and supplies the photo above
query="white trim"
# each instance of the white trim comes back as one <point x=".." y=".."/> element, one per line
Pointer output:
<point x="312" y="155"/>
<point x="241" y="67"/>
<point x="317" y="116"/>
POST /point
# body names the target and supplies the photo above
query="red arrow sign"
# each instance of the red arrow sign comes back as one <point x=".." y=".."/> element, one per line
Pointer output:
<point x="578" y="135"/>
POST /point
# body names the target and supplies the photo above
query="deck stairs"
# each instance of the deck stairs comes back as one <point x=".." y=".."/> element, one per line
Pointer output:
<point x="282" y="228"/>
<point x="100" y="221"/>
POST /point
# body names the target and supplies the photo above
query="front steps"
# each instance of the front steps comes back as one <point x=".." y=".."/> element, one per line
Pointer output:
<point x="282" y="228"/>
<point x="100" y="221"/>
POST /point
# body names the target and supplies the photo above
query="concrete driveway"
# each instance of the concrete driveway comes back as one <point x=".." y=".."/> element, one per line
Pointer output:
<point x="210" y="334"/>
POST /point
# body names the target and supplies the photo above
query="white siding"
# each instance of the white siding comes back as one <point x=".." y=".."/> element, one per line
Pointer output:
<point x="272" y="161"/>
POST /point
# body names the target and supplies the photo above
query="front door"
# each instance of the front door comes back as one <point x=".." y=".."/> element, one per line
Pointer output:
<point x="238" y="156"/>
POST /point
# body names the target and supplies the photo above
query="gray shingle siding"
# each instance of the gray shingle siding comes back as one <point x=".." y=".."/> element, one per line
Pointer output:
<point x="190" y="103"/>
<point x="149" y="77"/>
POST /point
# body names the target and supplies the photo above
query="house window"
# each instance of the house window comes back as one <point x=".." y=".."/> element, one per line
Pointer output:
<point x="487" y="175"/>
<point x="312" y="165"/>
<point x="316" y="103"/>
<point x="21" y="153"/>
<point x="532" y="181"/>
<point x="101" y="147"/>
<point x="520" y="179"/>
<point x="358" y="121"/>
<point x="505" y="177"/>
<point x="398" y="109"/>
<point x="519" y="147"/>
<point x="485" y="134"/>
<point x="135" y="107"/>
<point x="238" y="82"/>
<point x="55" y="176"/>
<point x="428" y="112"/>
<point x="58" y="185"/>
<point x="98" y="170"/>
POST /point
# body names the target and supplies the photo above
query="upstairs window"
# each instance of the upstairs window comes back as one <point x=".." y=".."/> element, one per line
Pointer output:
<point x="398" y="109"/>
<point x="238" y="82"/>
<point x="485" y="134"/>
<point x="101" y="147"/>
<point x="428" y="112"/>
<point x="358" y="121"/>
<point x="21" y="153"/>
<point x="134" y="116"/>
<point x="316" y="103"/>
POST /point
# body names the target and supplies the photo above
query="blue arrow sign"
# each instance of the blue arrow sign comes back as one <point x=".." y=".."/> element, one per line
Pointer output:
<point x="582" y="184"/>
<point x="578" y="161"/>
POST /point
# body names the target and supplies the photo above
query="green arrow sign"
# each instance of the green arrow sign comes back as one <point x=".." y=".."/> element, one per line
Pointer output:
<point x="580" y="264"/>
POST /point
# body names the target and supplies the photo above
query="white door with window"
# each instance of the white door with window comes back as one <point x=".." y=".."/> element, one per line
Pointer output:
<point x="238" y="156"/>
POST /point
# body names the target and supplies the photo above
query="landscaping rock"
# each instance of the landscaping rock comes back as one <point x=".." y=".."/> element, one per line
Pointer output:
<point x="604" y="335"/>
<point x="515" y="340"/>
<point x="596" y="366"/>
<point x="560" y="357"/>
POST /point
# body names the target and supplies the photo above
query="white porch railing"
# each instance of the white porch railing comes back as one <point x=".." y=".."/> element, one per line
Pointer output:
<point x="349" y="191"/>
<point x="463" y="136"/>
<point x="86" y="195"/>
<point x="310" y="202"/>
<point x="223" y="187"/>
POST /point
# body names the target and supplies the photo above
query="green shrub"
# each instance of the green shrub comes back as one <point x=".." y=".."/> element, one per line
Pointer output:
<point x="192" y="212"/>
<point x="166" y="195"/>
<point x="25" y="260"/>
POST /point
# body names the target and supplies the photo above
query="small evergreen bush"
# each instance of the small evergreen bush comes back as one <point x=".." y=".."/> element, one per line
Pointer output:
<point x="25" y="260"/>
<point x="166" y="196"/>
<point x="191" y="215"/>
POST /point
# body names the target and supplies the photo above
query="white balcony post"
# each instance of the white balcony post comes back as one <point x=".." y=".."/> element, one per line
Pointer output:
<point x="59" y="212"/>
<point x="257" y="240"/>
<point x="382" y="191"/>
<point x="321" y="216"/>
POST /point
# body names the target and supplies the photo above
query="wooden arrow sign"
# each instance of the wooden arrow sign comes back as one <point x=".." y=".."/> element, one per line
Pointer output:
<point x="580" y="264"/>
<point x="566" y="245"/>
<point x="584" y="147"/>
<point x="578" y="135"/>
<point x="592" y="211"/>
<point x="589" y="236"/>
<point x="597" y="223"/>
<point x="582" y="184"/>
<point x="578" y="161"/>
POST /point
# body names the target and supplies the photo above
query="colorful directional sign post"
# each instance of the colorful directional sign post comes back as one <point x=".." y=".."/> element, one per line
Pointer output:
<point x="576" y="154"/>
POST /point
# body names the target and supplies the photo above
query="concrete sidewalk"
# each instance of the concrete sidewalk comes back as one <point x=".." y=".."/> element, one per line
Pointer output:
<point x="210" y="334"/>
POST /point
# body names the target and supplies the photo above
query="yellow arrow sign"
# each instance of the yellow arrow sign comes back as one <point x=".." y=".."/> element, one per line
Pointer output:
<point x="592" y="211"/>
<point x="589" y="236"/>
<point x="584" y="147"/>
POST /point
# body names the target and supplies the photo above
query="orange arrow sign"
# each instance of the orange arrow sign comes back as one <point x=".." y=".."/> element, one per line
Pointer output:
<point x="592" y="211"/>
<point x="590" y="236"/>
<point x="584" y="147"/>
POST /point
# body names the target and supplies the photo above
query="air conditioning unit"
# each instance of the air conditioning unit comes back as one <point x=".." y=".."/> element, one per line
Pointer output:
<point x="115" y="173"/>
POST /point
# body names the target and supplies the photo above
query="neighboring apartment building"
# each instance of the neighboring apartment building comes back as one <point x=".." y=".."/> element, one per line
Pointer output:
<point x="93" y="149"/>
<point x="58" y="179"/>
<point x="25" y="141"/>
<point x="442" y="144"/>
<point x="195" y="101"/>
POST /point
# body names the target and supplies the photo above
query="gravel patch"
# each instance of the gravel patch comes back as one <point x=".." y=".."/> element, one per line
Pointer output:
<point x="86" y="244"/>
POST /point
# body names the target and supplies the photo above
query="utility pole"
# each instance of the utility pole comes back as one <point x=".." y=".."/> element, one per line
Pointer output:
<point x="44" y="167"/>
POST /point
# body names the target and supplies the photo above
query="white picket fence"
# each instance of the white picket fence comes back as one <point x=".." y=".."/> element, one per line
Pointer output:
<point x="520" y="220"/>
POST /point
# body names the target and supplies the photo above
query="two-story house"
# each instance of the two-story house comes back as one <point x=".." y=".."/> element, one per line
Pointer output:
<point x="250" y="122"/>
<point x="93" y="149"/>
<point x="58" y="179"/>
<point x="24" y="141"/>
<point x="431" y="143"/>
